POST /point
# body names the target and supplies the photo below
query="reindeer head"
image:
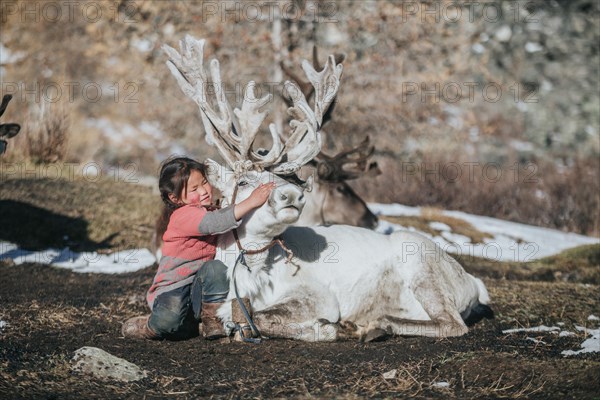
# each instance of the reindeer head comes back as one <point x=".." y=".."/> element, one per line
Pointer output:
<point x="233" y="134"/>
<point x="282" y="209"/>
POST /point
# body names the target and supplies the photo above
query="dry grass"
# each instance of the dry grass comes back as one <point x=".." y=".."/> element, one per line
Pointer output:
<point x="542" y="193"/>
<point x="429" y="215"/>
<point x="47" y="133"/>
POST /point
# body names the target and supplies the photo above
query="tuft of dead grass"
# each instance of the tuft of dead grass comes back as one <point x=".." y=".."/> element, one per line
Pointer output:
<point x="47" y="133"/>
<point x="430" y="214"/>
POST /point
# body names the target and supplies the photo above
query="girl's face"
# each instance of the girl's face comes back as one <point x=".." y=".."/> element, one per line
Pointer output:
<point x="198" y="190"/>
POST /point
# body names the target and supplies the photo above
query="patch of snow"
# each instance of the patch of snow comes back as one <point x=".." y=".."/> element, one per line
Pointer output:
<point x="522" y="106"/>
<point x="511" y="241"/>
<point x="113" y="263"/>
<point x="546" y="86"/>
<point x="439" y="226"/>
<point x="536" y="341"/>
<point x="9" y="57"/>
<point x="478" y="48"/>
<point x="142" y="45"/>
<point x="593" y="318"/>
<point x="532" y="47"/>
<point x="394" y="210"/>
<point x="474" y="133"/>
<point x="590" y="345"/>
<point x="503" y="34"/>
<point x="3" y="324"/>
<point x="541" y="328"/>
<point x="441" y="384"/>
<point x="566" y="334"/>
<point x="152" y="129"/>
<point x="520" y="145"/>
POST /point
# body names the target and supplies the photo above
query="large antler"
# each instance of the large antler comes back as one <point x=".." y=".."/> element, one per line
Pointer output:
<point x="306" y="87"/>
<point x="348" y="164"/>
<point x="233" y="133"/>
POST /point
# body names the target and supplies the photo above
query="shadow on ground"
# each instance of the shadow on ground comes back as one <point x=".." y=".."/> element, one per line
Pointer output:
<point x="35" y="228"/>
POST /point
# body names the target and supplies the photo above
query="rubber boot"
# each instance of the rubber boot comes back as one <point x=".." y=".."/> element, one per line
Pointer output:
<point x="211" y="327"/>
<point x="137" y="328"/>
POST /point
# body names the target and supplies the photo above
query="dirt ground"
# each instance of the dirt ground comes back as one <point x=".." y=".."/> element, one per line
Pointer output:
<point x="50" y="313"/>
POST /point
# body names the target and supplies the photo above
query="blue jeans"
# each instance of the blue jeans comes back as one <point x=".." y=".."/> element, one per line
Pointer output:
<point x="176" y="313"/>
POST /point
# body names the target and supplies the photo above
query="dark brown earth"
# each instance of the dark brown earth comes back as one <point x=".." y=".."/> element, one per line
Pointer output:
<point x="51" y="312"/>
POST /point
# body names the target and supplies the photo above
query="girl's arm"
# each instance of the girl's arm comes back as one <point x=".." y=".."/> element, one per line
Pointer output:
<point x="191" y="221"/>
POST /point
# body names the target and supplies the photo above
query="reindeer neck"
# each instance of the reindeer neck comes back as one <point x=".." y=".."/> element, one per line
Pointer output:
<point x="229" y="245"/>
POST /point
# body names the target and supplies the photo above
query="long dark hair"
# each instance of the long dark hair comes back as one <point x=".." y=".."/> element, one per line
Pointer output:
<point x="172" y="180"/>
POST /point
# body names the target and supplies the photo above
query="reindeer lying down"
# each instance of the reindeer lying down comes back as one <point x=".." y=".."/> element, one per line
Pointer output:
<point x="342" y="281"/>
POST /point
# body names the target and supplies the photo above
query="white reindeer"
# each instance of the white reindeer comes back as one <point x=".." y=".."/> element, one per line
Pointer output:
<point x="342" y="281"/>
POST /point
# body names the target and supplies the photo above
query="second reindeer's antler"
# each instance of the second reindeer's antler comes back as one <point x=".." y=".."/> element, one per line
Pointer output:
<point x="348" y="164"/>
<point x="233" y="133"/>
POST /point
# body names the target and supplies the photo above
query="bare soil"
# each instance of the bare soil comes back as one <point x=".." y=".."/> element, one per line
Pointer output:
<point x="50" y="313"/>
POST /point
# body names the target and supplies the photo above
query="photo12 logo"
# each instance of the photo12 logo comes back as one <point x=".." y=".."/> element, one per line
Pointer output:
<point x="454" y="92"/>
<point x="90" y="171"/>
<point x="68" y="11"/>
<point x="269" y="11"/>
<point x="89" y="92"/>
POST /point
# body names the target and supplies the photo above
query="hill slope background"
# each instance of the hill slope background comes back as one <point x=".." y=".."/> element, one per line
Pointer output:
<point x="491" y="108"/>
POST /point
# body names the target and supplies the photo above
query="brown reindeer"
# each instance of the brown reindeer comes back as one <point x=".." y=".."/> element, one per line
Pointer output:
<point x="7" y="131"/>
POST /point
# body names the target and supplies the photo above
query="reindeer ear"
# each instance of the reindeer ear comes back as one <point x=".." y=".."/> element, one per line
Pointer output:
<point x="217" y="175"/>
<point x="308" y="185"/>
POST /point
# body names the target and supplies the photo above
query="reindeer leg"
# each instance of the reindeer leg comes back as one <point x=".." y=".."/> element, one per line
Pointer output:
<point x="445" y="320"/>
<point x="297" y="318"/>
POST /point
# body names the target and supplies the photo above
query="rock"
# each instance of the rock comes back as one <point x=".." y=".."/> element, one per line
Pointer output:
<point x="391" y="374"/>
<point x="102" y="365"/>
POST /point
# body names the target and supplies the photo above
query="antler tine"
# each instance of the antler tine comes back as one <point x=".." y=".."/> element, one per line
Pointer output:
<point x="250" y="119"/>
<point x="306" y="87"/>
<point x="348" y="164"/>
<point x="187" y="66"/>
<point x="305" y="140"/>
<point x="326" y="84"/>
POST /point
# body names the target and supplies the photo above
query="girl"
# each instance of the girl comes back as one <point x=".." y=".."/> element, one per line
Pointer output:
<point x="190" y="285"/>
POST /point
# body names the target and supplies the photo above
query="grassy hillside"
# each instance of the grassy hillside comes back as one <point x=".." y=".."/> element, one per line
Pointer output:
<point x="493" y="111"/>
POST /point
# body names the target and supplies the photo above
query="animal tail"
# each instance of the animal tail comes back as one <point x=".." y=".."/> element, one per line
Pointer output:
<point x="484" y="296"/>
<point x="481" y="310"/>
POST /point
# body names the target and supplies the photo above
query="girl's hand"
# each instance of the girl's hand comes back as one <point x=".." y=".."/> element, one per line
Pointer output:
<point x="260" y="195"/>
<point x="257" y="198"/>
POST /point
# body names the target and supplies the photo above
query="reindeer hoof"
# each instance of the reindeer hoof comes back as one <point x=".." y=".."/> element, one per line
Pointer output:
<point x="376" y="335"/>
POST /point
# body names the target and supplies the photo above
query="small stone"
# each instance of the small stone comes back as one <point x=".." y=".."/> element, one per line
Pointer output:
<point x="105" y="366"/>
<point x="390" y="374"/>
